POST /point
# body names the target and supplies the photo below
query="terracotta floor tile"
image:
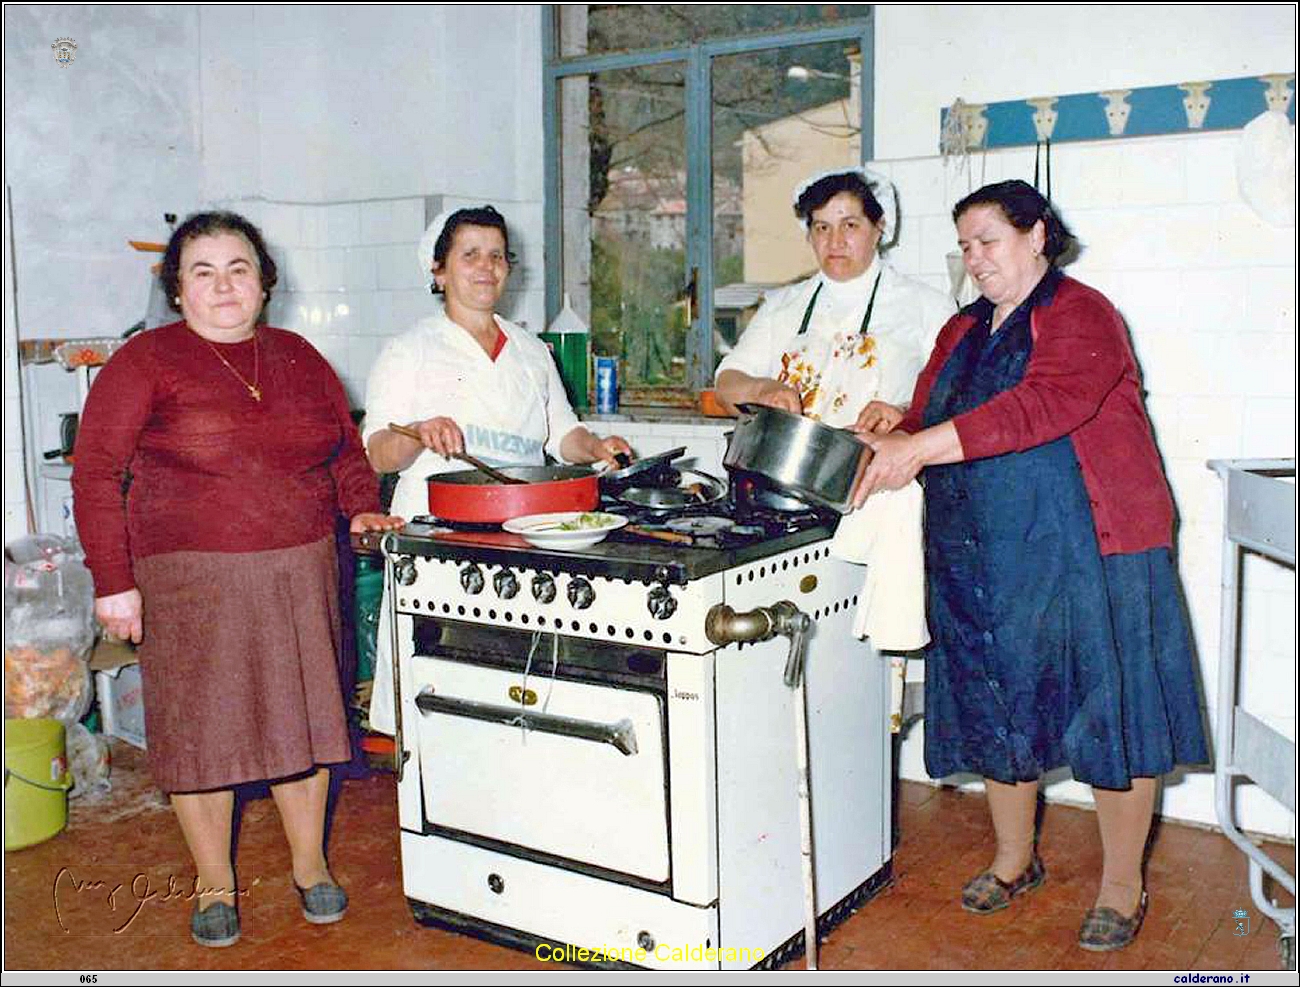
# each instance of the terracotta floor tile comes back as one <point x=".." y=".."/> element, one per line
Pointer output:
<point x="1197" y="879"/>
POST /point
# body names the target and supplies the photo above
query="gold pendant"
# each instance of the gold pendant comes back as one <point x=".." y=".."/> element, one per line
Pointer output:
<point x="257" y="394"/>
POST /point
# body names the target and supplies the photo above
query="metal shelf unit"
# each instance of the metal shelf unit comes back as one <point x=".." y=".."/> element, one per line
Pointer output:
<point x="1259" y="516"/>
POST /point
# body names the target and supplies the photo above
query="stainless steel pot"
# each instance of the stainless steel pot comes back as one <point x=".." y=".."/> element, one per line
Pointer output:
<point x="804" y="457"/>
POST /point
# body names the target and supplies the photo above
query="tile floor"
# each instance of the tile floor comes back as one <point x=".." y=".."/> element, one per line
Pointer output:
<point x="61" y="911"/>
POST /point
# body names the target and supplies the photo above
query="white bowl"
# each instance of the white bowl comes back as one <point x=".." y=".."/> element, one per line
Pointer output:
<point x="549" y="530"/>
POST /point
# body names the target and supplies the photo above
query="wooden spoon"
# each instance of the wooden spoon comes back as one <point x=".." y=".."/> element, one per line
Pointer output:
<point x="465" y="457"/>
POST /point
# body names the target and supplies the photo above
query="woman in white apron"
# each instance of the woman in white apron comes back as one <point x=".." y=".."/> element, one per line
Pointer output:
<point x="468" y="381"/>
<point x="844" y="347"/>
<point x="844" y="343"/>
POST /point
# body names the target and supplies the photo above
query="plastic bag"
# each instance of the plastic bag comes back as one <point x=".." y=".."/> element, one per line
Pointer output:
<point x="88" y="761"/>
<point x="49" y="629"/>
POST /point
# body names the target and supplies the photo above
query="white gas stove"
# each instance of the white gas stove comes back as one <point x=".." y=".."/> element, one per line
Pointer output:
<point x="590" y="775"/>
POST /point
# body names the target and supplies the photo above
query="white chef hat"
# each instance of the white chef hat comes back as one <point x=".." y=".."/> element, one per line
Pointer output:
<point x="427" y="242"/>
<point x="881" y="187"/>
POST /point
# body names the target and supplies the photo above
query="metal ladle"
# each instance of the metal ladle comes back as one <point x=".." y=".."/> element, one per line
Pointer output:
<point x="478" y="464"/>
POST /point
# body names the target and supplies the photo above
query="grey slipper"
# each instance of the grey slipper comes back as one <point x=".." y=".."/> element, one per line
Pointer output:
<point x="323" y="903"/>
<point x="215" y="926"/>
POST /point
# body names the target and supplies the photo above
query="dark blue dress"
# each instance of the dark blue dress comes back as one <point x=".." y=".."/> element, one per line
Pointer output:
<point x="1044" y="653"/>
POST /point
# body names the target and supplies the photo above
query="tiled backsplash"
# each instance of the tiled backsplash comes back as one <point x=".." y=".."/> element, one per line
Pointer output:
<point x="350" y="280"/>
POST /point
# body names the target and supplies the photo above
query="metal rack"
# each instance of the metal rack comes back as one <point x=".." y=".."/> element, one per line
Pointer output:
<point x="1259" y="516"/>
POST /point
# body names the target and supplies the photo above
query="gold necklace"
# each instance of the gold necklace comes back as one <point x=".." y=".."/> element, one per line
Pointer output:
<point x="253" y="389"/>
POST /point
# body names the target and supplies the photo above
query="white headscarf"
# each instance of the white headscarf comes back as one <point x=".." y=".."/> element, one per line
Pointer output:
<point x="881" y="187"/>
<point x="427" y="242"/>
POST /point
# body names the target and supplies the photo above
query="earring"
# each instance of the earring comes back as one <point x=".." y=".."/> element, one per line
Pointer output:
<point x="176" y="299"/>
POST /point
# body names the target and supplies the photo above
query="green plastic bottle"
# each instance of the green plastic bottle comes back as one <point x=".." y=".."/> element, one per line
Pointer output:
<point x="570" y="342"/>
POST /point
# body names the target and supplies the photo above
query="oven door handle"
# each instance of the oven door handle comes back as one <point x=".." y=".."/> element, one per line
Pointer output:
<point x="620" y="735"/>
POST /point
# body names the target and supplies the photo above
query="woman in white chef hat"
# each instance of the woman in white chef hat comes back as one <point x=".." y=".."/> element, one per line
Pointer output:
<point x="845" y="345"/>
<point x="466" y="380"/>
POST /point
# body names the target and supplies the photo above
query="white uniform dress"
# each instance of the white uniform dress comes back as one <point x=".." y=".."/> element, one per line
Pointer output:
<point x="512" y="411"/>
<point x="837" y="367"/>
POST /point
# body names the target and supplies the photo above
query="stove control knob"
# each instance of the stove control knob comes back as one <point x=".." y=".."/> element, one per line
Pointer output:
<point x="543" y="588"/>
<point x="581" y="595"/>
<point x="404" y="570"/>
<point x="506" y="583"/>
<point x="471" y="579"/>
<point x="660" y="603"/>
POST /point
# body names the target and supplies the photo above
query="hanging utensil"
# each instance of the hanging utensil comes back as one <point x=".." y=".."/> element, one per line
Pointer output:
<point x="464" y="457"/>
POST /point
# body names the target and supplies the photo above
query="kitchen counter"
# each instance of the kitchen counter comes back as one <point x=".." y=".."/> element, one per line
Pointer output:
<point x="657" y="416"/>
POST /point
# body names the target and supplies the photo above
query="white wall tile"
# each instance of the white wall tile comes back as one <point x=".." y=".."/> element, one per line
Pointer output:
<point x="281" y="225"/>
<point x="396" y="267"/>
<point x="1269" y="430"/>
<point x="341" y="224"/>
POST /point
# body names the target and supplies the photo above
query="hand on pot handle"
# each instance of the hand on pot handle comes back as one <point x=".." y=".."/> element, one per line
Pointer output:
<point x="878" y="417"/>
<point x="774" y="394"/>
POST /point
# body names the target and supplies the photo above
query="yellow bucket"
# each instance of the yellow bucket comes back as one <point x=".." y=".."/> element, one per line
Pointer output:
<point x="36" y="781"/>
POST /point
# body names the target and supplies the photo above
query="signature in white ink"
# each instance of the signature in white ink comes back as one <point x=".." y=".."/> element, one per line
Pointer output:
<point x="141" y="891"/>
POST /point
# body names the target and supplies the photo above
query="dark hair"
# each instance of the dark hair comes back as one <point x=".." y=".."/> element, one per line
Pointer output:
<point x="1023" y="206"/>
<point x="482" y="216"/>
<point x="823" y="190"/>
<point x="211" y="224"/>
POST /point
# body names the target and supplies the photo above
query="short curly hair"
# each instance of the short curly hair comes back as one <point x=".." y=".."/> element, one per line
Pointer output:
<point x="212" y="224"/>
<point x="823" y="190"/>
<point x="480" y="216"/>
<point x="1023" y="206"/>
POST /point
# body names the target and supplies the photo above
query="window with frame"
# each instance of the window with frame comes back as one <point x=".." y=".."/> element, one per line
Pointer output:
<point x="676" y="134"/>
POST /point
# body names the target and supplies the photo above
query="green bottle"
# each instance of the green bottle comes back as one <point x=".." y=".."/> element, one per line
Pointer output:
<point x="570" y="343"/>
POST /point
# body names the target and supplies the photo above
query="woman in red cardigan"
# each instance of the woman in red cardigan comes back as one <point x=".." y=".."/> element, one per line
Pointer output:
<point x="213" y="459"/>
<point x="1059" y="632"/>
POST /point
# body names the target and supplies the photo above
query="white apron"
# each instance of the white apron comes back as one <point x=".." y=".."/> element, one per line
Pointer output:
<point x="502" y="409"/>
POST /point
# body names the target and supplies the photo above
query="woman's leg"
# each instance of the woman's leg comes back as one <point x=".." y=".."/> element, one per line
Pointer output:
<point x="1125" y="821"/>
<point x="1013" y="808"/>
<point x="302" y="811"/>
<point x="206" y="819"/>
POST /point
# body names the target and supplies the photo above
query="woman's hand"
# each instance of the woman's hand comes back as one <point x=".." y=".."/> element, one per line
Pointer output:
<point x="374" y="522"/>
<point x="611" y="447"/>
<point x="582" y="446"/>
<point x="896" y="461"/>
<point x="878" y="417"/>
<point x="899" y="457"/>
<point x="774" y="394"/>
<point x="442" y="435"/>
<point x="121" y="615"/>
<point x="735" y="388"/>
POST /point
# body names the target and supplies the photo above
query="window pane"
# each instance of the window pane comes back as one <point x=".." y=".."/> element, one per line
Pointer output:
<point x="778" y="117"/>
<point x="624" y="209"/>
<point x="596" y="28"/>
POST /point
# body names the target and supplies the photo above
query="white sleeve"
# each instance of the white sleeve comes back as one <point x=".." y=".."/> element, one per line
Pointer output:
<point x="393" y="387"/>
<point x="758" y="352"/>
<point x="937" y="308"/>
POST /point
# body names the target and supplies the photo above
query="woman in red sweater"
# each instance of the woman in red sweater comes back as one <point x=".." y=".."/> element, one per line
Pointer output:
<point x="213" y="458"/>
<point x="1059" y="634"/>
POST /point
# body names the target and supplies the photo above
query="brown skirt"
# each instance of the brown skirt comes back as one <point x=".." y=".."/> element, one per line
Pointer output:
<point x="238" y="665"/>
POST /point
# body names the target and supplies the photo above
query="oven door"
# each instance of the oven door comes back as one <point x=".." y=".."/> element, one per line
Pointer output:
<point x="570" y="769"/>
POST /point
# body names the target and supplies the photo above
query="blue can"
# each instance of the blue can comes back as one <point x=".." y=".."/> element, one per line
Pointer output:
<point x="606" y="385"/>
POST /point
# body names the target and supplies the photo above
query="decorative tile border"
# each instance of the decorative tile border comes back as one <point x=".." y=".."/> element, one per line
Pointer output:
<point x="1223" y="104"/>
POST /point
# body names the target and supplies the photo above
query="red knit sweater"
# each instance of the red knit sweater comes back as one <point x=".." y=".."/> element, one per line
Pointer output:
<point x="211" y="469"/>
<point x="1082" y="381"/>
